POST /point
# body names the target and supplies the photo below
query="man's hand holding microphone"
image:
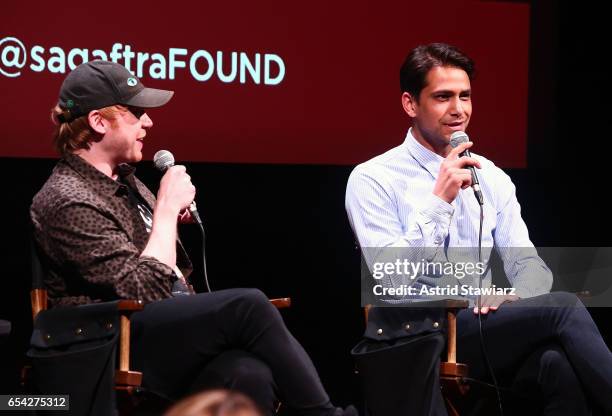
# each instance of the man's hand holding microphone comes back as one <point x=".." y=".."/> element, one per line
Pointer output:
<point x="454" y="174"/>
<point x="175" y="203"/>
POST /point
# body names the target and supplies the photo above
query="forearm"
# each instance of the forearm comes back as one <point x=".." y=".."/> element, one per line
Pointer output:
<point x="162" y="241"/>
<point x="524" y="268"/>
<point x="386" y="236"/>
<point x="526" y="271"/>
<point x="379" y="225"/>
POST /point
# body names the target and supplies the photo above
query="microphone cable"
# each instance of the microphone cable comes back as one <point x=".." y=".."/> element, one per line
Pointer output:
<point x="456" y="139"/>
<point x="204" y="269"/>
<point x="162" y="160"/>
<point x="480" y="331"/>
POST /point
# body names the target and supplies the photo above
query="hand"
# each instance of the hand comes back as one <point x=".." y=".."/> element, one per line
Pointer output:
<point x="454" y="174"/>
<point x="175" y="189"/>
<point x="493" y="302"/>
<point x="185" y="217"/>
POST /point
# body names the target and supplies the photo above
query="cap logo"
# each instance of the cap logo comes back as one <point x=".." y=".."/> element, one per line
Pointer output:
<point x="132" y="81"/>
<point x="69" y="103"/>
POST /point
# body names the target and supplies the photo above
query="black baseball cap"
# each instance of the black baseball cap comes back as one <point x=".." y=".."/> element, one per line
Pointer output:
<point x="98" y="84"/>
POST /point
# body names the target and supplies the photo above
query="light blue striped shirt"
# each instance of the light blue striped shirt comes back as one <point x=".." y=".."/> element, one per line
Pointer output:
<point x="390" y="203"/>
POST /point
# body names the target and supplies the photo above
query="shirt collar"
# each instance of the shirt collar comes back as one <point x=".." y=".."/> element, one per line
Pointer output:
<point x="101" y="181"/>
<point x="426" y="158"/>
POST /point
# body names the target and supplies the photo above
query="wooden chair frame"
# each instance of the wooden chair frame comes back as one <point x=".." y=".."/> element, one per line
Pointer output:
<point x="125" y="379"/>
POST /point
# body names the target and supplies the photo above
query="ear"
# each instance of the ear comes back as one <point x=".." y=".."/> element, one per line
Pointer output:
<point x="97" y="122"/>
<point x="409" y="103"/>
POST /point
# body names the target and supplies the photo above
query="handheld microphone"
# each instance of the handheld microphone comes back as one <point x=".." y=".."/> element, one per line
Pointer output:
<point x="163" y="160"/>
<point x="456" y="139"/>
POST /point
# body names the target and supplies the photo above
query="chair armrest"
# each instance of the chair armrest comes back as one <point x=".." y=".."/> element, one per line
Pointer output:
<point x="281" y="303"/>
<point x="129" y="305"/>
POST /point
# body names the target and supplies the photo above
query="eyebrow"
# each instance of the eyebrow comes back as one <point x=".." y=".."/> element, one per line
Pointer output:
<point x="449" y="92"/>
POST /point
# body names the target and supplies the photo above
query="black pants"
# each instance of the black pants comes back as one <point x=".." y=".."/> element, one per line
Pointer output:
<point x="240" y="371"/>
<point x="549" y="345"/>
<point x="173" y="341"/>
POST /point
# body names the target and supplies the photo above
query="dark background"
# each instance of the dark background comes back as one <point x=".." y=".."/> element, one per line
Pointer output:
<point x="282" y="228"/>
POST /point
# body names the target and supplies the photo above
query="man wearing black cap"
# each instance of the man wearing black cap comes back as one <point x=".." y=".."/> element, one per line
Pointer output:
<point x="104" y="236"/>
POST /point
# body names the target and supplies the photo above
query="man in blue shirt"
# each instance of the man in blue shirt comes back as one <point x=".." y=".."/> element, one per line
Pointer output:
<point x="417" y="195"/>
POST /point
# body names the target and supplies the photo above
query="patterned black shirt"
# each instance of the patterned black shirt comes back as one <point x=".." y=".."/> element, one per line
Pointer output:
<point x="90" y="234"/>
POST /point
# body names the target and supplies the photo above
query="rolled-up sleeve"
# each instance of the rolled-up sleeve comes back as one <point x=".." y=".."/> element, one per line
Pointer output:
<point x="384" y="237"/>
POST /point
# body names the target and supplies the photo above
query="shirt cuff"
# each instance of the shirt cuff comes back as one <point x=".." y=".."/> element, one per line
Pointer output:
<point x="438" y="210"/>
<point x="159" y="267"/>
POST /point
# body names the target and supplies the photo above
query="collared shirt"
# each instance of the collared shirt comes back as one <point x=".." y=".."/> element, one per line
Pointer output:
<point x="91" y="235"/>
<point x="390" y="203"/>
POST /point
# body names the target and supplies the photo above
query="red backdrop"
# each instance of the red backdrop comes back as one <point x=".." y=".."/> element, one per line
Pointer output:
<point x="339" y="99"/>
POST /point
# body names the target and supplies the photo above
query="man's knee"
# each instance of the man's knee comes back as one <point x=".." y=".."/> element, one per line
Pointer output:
<point x="253" y="372"/>
<point x="254" y="296"/>
<point x="240" y="371"/>
<point x="554" y="363"/>
<point x="562" y="299"/>
<point x="245" y="297"/>
<point x="247" y="373"/>
<point x="559" y="380"/>
<point x="253" y="306"/>
<point x="255" y="301"/>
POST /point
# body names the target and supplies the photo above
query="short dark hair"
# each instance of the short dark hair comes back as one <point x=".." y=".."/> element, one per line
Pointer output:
<point x="421" y="59"/>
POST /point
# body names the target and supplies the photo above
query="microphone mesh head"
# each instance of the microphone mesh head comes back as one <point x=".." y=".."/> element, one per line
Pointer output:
<point x="163" y="160"/>
<point x="457" y="138"/>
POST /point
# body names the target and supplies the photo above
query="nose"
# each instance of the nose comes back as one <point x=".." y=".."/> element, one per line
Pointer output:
<point x="456" y="106"/>
<point x="146" y="121"/>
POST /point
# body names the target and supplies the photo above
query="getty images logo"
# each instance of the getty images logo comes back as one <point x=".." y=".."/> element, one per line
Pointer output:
<point x="232" y="67"/>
